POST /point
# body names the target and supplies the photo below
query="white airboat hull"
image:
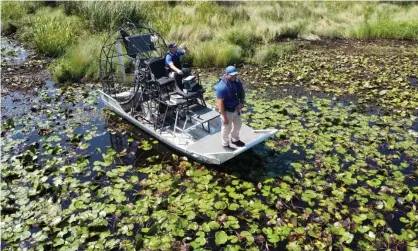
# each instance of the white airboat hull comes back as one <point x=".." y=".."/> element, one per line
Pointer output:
<point x="196" y="143"/>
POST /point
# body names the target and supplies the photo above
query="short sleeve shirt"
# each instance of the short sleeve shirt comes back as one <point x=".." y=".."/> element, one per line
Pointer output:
<point x="224" y="92"/>
<point x="173" y="57"/>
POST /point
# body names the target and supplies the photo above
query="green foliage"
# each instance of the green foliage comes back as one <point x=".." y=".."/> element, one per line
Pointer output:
<point x="346" y="171"/>
<point x="247" y="30"/>
<point x="80" y="60"/>
<point x="192" y="34"/>
<point x="12" y="11"/>
<point x="205" y="11"/>
<point x="386" y="28"/>
<point x="15" y="14"/>
<point x="215" y="53"/>
<point x="272" y="53"/>
<point x="103" y="15"/>
<point x="163" y="19"/>
<point x="51" y="31"/>
<point x="244" y="38"/>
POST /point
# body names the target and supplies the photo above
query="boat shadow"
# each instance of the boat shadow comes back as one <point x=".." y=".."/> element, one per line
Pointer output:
<point x="254" y="165"/>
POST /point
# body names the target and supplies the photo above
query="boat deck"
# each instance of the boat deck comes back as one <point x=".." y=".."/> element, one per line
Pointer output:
<point x="199" y="136"/>
<point x="212" y="143"/>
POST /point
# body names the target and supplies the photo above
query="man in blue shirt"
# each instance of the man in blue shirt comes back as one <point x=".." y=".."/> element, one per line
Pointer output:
<point x="172" y="61"/>
<point x="230" y="99"/>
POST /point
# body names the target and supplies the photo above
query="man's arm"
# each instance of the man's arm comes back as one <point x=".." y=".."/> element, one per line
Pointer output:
<point x="169" y="62"/>
<point x="220" y="95"/>
<point x="221" y="107"/>
<point x="174" y="68"/>
<point x="184" y="49"/>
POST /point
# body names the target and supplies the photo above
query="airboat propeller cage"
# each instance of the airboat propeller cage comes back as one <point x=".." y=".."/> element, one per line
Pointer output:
<point x="136" y="85"/>
<point x="122" y="47"/>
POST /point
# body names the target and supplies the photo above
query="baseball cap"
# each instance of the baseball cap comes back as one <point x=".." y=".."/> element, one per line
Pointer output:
<point x="171" y="45"/>
<point x="231" y="70"/>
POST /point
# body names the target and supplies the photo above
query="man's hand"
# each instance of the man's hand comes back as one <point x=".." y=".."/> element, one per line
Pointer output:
<point x="225" y="120"/>
<point x="179" y="72"/>
<point x="239" y="107"/>
<point x="183" y="46"/>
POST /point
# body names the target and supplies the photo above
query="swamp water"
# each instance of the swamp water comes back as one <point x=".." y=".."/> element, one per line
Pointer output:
<point x="75" y="176"/>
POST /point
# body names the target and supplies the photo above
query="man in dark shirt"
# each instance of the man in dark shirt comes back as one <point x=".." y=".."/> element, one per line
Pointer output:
<point x="173" y="62"/>
<point x="230" y="99"/>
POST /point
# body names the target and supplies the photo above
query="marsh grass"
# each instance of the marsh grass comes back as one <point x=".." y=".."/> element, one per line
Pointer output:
<point x="194" y="33"/>
<point x="213" y="53"/>
<point x="270" y="54"/>
<point x="107" y="16"/>
<point x="80" y="60"/>
<point x="51" y="31"/>
<point x="12" y="11"/>
<point x="244" y="38"/>
<point x="14" y="15"/>
<point x="388" y="21"/>
<point x="386" y="28"/>
<point x="218" y="33"/>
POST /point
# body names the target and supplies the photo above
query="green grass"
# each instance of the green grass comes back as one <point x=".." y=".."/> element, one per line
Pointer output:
<point x="80" y="61"/>
<point x="12" y="11"/>
<point x="270" y="54"/>
<point x="388" y="21"/>
<point x="244" y="38"/>
<point x="212" y="53"/>
<point x="387" y="29"/>
<point x="51" y="31"/>
<point x="14" y="15"/>
<point x="246" y="30"/>
<point x="191" y="33"/>
<point x="102" y="16"/>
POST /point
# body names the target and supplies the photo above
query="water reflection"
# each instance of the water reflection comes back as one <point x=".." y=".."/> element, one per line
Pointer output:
<point x="12" y="53"/>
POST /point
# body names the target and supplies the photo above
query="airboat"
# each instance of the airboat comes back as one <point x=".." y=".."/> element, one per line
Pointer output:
<point x="136" y="85"/>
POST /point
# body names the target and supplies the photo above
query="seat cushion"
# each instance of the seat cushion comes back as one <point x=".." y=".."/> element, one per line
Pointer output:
<point x="157" y="67"/>
<point x="165" y="81"/>
<point x="189" y="94"/>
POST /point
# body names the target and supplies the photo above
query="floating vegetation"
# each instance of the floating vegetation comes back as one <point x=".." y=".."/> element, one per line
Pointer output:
<point x="75" y="176"/>
<point x="12" y="54"/>
<point x="374" y="74"/>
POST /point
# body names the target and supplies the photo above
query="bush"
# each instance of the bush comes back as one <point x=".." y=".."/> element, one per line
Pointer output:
<point x="80" y="61"/>
<point x="15" y="14"/>
<point x="214" y="53"/>
<point x="244" y="38"/>
<point x="52" y="31"/>
<point x="269" y="54"/>
<point x="162" y="19"/>
<point x="103" y="15"/>
<point x="11" y="12"/>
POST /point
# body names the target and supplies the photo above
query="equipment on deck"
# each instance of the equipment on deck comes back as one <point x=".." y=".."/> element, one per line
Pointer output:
<point x="136" y="85"/>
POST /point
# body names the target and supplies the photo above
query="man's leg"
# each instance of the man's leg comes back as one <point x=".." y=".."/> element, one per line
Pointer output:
<point x="236" y="126"/>
<point x="179" y="80"/>
<point x="226" y="129"/>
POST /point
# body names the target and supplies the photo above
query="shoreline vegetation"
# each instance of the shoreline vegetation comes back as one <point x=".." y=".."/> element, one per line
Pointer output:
<point x="218" y="33"/>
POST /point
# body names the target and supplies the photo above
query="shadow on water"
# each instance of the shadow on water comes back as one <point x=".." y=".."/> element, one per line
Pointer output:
<point x="120" y="133"/>
<point x="415" y="125"/>
<point x="116" y="133"/>
<point x="253" y="165"/>
<point x="413" y="81"/>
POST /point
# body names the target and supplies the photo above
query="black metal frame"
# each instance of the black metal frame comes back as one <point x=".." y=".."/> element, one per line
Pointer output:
<point x="131" y="62"/>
